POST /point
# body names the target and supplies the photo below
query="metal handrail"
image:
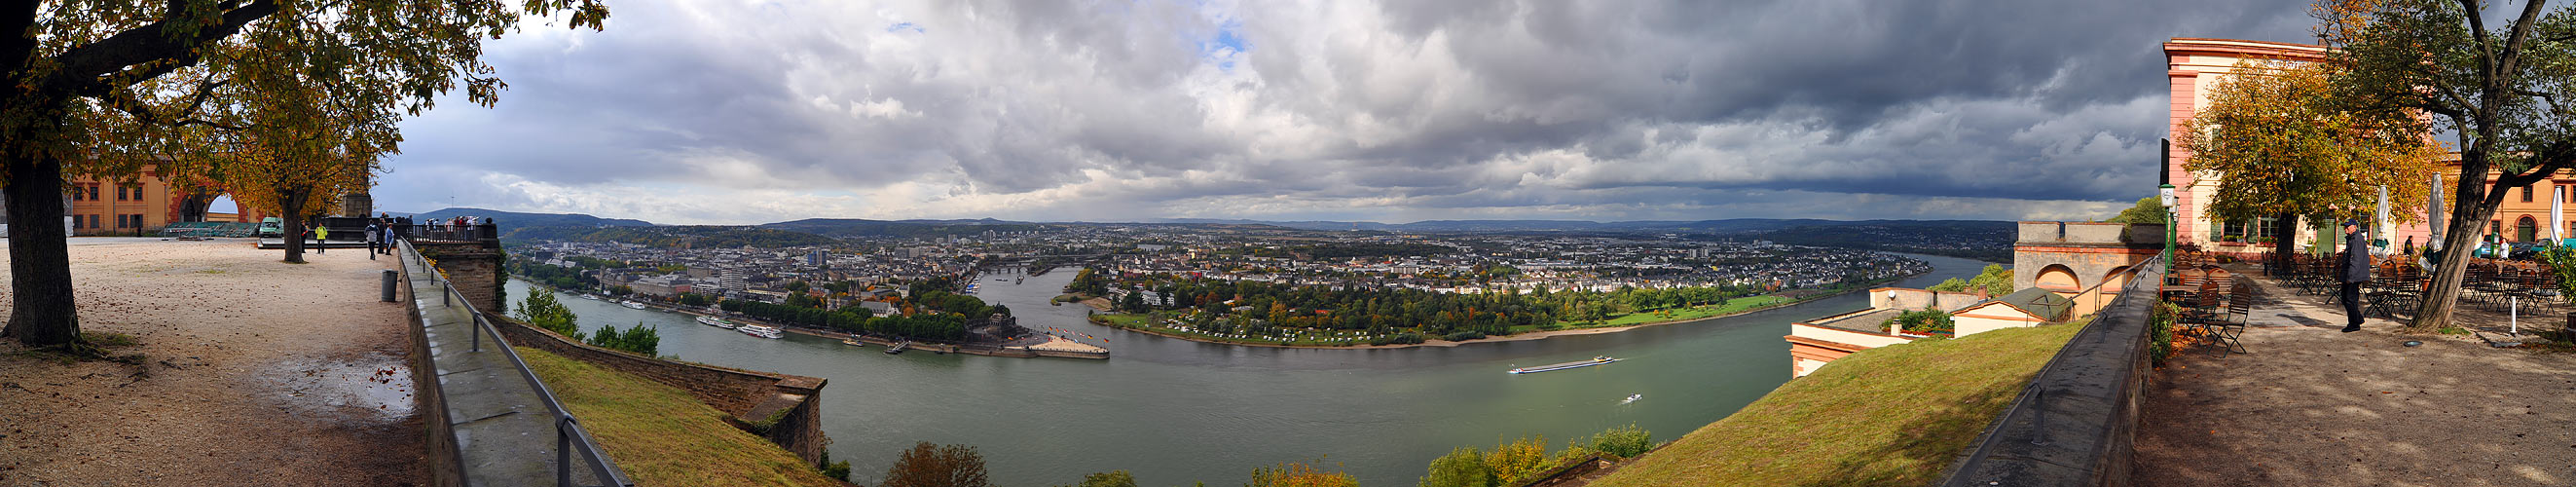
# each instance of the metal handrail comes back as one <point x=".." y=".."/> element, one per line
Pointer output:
<point x="568" y="430"/>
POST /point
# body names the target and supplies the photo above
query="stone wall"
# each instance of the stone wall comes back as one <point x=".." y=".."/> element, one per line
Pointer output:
<point x="473" y="267"/>
<point x="750" y="396"/>
<point x="446" y="463"/>
<point x="1914" y="299"/>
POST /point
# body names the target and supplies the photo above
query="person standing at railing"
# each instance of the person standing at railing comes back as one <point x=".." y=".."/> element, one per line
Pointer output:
<point x="2354" y="271"/>
<point x="373" y="232"/>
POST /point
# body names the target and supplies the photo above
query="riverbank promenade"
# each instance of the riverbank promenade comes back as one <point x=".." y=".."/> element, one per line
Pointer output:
<point x="2309" y="405"/>
<point x="251" y="372"/>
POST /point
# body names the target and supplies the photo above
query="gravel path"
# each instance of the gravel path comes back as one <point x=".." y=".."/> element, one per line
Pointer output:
<point x="258" y="373"/>
<point x="2312" y="406"/>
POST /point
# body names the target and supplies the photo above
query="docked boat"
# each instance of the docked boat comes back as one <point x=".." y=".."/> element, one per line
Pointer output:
<point x="631" y="304"/>
<point x="1568" y="365"/>
<point x="898" y="347"/>
<point x="590" y="297"/>
<point x="759" y="331"/>
<point x="715" y="322"/>
<point x="853" y="340"/>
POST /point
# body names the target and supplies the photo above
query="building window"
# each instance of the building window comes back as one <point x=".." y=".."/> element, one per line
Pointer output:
<point x="93" y="192"/>
<point x="2526" y="193"/>
<point x="93" y="219"/>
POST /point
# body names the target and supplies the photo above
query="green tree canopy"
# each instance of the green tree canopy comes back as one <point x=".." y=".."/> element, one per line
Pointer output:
<point x="2148" y="210"/>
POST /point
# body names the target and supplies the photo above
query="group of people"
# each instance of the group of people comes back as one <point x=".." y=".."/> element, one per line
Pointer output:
<point x="384" y="228"/>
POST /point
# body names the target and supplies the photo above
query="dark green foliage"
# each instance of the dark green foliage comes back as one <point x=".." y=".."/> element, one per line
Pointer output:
<point x="541" y="310"/>
<point x="1407" y="338"/>
<point x="946" y="302"/>
<point x="1463" y="336"/>
<point x="1624" y="441"/>
<point x="1462" y="467"/>
<point x="1924" y="321"/>
<point x="1088" y="282"/>
<point x="567" y="278"/>
<point x="930" y="285"/>
<point x="640" y="339"/>
<point x="2148" y="210"/>
<point x="1113" y="478"/>
<point x="695" y="299"/>
<point x="837" y="470"/>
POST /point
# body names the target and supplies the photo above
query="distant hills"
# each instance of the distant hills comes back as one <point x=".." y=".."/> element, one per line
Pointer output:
<point x="512" y="219"/>
<point x="1980" y="239"/>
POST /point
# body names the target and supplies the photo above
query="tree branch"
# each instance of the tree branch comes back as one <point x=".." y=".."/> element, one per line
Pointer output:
<point x="91" y="69"/>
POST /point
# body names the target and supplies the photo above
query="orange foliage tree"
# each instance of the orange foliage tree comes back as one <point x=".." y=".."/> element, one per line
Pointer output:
<point x="2283" y="146"/>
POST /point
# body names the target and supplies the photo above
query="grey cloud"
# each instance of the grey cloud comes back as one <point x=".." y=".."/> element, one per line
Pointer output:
<point x="1455" y="107"/>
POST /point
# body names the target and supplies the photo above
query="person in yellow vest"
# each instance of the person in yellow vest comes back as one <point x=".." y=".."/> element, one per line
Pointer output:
<point x="320" y="234"/>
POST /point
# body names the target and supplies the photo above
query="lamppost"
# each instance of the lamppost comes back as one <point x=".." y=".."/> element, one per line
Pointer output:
<point x="2166" y="193"/>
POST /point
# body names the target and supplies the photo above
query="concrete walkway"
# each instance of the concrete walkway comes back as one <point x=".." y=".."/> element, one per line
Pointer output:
<point x="503" y="432"/>
<point x="2312" y="406"/>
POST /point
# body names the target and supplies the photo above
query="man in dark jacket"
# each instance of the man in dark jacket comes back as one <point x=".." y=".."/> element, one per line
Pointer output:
<point x="2354" y="271"/>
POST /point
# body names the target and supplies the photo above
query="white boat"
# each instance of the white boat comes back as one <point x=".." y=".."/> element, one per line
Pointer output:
<point x="590" y="297"/>
<point x="631" y="304"/>
<point x="1568" y="365"/>
<point x="760" y="331"/>
<point x="1632" y="398"/>
<point x="715" y="322"/>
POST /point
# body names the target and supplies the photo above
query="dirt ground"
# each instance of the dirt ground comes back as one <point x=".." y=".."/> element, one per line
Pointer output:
<point x="2311" y="406"/>
<point x="257" y="372"/>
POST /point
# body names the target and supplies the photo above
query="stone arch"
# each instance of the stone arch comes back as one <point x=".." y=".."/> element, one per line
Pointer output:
<point x="2057" y="277"/>
<point x="2113" y="281"/>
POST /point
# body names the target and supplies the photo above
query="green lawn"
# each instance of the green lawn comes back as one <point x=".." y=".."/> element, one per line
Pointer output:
<point x="660" y="435"/>
<point x="1886" y="416"/>
<point x="1736" y="305"/>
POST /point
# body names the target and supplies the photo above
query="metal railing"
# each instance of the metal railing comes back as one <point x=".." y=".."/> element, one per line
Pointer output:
<point x="569" y="433"/>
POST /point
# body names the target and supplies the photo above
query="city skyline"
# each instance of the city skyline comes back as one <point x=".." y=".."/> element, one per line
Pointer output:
<point x="741" y="113"/>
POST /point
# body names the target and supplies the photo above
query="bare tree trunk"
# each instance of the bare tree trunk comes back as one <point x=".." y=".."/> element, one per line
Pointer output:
<point x="42" y="311"/>
<point x="2285" y="234"/>
<point x="293" y="203"/>
<point x="2469" y="216"/>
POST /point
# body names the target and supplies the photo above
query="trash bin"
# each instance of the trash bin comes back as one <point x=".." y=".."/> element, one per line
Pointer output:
<point x="389" y="285"/>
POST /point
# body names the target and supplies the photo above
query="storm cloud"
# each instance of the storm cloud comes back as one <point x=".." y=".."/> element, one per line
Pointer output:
<point x="1398" y="110"/>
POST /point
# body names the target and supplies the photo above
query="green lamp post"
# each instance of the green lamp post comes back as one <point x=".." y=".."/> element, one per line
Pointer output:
<point x="2166" y="192"/>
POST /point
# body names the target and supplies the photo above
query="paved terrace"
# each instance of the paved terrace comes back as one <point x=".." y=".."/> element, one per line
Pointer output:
<point x="255" y="372"/>
<point x="2312" y="406"/>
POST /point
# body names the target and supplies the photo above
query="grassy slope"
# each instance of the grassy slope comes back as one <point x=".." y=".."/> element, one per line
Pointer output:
<point x="660" y="435"/>
<point x="1887" y="416"/>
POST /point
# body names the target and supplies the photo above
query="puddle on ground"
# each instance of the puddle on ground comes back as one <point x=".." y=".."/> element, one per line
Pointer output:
<point x="377" y="387"/>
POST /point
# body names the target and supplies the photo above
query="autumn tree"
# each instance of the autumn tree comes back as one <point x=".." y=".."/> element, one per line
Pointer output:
<point x="2501" y="91"/>
<point x="100" y="87"/>
<point x="2282" y="146"/>
<point x="928" y="465"/>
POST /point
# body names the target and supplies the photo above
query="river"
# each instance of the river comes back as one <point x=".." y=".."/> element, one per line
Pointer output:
<point x="1175" y="411"/>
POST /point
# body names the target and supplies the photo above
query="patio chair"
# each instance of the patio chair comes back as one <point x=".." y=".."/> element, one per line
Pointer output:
<point x="2229" y="328"/>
